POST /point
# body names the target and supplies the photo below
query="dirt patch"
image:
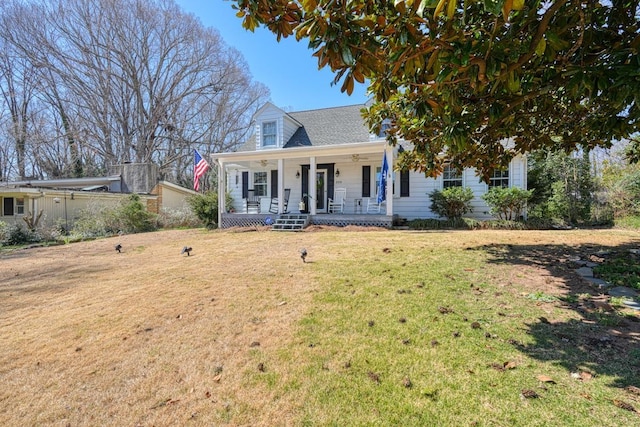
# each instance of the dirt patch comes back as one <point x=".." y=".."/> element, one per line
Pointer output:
<point x="352" y="228"/>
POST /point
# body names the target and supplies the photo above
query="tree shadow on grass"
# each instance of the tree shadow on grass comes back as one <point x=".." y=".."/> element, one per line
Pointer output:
<point x="597" y="338"/>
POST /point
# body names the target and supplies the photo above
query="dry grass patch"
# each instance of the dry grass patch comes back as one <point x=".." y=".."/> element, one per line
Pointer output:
<point x="147" y="336"/>
<point x="226" y="335"/>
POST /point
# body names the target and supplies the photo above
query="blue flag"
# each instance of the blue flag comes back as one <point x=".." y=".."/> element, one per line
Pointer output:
<point x="382" y="182"/>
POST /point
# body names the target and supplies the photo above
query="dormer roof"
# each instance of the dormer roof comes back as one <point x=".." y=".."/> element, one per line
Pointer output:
<point x="326" y="126"/>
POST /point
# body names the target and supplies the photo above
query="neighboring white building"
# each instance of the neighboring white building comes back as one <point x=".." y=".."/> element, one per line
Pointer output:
<point x="63" y="200"/>
<point x="334" y="146"/>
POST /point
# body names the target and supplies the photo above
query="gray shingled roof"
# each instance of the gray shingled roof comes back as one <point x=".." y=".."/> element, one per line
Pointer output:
<point x="329" y="126"/>
<point x="326" y="126"/>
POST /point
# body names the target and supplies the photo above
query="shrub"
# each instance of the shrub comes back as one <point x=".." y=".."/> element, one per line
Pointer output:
<point x="129" y="216"/>
<point x="507" y="203"/>
<point x="97" y="219"/>
<point x="631" y="221"/>
<point x="15" y="234"/>
<point x="439" y="224"/>
<point x="624" y="194"/>
<point x="205" y="207"/>
<point x="178" y="218"/>
<point x="451" y="202"/>
<point x="3" y="230"/>
<point x="133" y="217"/>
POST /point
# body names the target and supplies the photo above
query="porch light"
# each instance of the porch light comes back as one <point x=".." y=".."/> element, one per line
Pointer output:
<point x="297" y="174"/>
<point x="337" y="173"/>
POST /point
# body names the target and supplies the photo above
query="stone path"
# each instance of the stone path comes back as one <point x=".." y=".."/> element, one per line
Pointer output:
<point x="629" y="295"/>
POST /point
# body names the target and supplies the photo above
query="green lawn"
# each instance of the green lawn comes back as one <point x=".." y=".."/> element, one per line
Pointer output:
<point x="411" y="332"/>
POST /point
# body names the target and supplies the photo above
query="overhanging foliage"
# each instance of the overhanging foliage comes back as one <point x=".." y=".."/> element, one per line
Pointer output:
<point x="460" y="78"/>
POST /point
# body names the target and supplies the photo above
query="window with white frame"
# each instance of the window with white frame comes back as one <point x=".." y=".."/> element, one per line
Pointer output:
<point x="260" y="183"/>
<point x="20" y="206"/>
<point x="500" y="178"/>
<point x="451" y="177"/>
<point x="269" y="132"/>
<point x="12" y="206"/>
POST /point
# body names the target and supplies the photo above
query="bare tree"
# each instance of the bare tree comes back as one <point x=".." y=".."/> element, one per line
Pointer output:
<point x="17" y="87"/>
<point x="130" y="80"/>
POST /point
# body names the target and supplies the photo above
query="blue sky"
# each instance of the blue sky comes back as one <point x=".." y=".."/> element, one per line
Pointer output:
<point x="286" y="68"/>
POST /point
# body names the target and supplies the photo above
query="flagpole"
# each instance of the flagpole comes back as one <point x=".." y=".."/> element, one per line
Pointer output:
<point x="388" y="152"/>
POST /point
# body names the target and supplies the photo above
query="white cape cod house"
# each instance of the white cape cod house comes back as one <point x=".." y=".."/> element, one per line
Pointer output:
<point x="324" y="166"/>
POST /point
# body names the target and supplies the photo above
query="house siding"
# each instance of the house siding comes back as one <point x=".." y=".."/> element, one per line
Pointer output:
<point x="172" y="198"/>
<point x="66" y="210"/>
<point x="289" y="127"/>
<point x="416" y="206"/>
<point x="342" y="128"/>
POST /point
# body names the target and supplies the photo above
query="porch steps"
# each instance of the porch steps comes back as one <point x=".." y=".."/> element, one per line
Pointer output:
<point x="291" y="222"/>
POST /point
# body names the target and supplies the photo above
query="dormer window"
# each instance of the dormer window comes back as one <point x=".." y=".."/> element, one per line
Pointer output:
<point x="269" y="134"/>
<point x="384" y="127"/>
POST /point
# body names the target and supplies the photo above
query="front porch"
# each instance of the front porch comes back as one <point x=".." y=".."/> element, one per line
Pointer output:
<point x="337" y="220"/>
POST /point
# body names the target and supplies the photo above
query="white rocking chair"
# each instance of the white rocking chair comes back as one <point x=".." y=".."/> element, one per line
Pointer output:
<point x="337" y="203"/>
<point x="373" y="206"/>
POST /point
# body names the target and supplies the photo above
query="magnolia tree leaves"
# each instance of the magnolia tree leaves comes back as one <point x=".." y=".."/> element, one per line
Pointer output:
<point x="476" y="82"/>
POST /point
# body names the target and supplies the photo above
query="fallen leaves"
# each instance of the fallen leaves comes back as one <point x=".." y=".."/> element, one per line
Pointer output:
<point x="510" y="365"/>
<point x="503" y="366"/>
<point x="546" y="379"/>
<point x="529" y="394"/>
<point x="165" y="403"/>
<point x="633" y="390"/>
<point x="624" y="405"/>
<point x="445" y="310"/>
<point x="497" y="366"/>
<point x="373" y="377"/>
<point x="582" y="375"/>
<point x="603" y="306"/>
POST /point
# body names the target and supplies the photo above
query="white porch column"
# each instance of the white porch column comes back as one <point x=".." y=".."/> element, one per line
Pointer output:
<point x="280" y="186"/>
<point x="312" y="186"/>
<point x="222" y="185"/>
<point x="388" y="151"/>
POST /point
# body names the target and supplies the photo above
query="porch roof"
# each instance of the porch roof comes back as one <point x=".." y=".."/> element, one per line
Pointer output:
<point x="369" y="147"/>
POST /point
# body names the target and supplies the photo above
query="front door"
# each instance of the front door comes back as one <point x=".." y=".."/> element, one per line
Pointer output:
<point x="324" y="186"/>
<point x="321" y="190"/>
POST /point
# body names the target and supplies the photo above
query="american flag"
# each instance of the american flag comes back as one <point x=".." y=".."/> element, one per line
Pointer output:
<point x="200" y="167"/>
